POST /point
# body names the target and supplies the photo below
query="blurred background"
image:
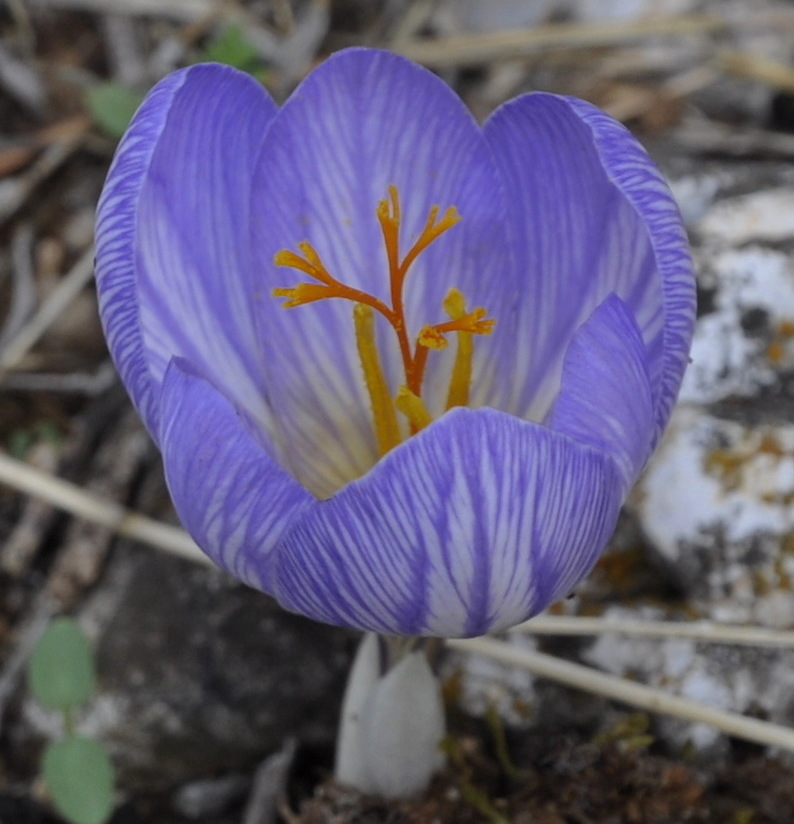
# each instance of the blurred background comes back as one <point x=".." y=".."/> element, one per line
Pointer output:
<point x="214" y="705"/>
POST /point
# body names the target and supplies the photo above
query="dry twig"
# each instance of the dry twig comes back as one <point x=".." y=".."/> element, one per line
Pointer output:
<point x="84" y="547"/>
<point x="37" y="517"/>
<point x="14" y="192"/>
<point x="709" y="137"/>
<point x="628" y="692"/>
<point x="23" y="294"/>
<point x="704" y="631"/>
<point x="76" y="383"/>
<point x="472" y="49"/>
<point x="758" y="68"/>
<point x="184" y="10"/>
<point x="20" y="81"/>
<point x="74" y="500"/>
<point x="49" y="311"/>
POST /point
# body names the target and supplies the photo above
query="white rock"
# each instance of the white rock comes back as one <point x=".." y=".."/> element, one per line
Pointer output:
<point x="726" y="359"/>
<point x="767" y="215"/>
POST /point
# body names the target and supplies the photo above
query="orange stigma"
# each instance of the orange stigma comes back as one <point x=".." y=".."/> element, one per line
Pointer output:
<point x="408" y="398"/>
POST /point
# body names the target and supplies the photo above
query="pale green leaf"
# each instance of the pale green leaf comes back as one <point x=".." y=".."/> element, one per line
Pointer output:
<point x="61" y="669"/>
<point x="112" y="106"/>
<point x="79" y="777"/>
<point x="234" y="49"/>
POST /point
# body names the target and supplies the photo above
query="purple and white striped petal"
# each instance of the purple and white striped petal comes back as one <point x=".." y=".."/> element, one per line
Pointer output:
<point x="116" y="269"/>
<point x="362" y="121"/>
<point x="231" y="496"/>
<point x="641" y="183"/>
<point x="470" y="526"/>
<point x="590" y="215"/>
<point x="173" y="243"/>
<point x="473" y="525"/>
<point x="605" y="400"/>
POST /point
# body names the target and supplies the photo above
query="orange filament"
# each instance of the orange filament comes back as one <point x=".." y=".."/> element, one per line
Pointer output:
<point x="414" y="354"/>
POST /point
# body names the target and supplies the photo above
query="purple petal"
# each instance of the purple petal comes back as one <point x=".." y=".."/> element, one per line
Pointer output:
<point x="173" y="251"/>
<point x="231" y="496"/>
<point x="605" y="400"/>
<point x="473" y="525"/>
<point x="628" y="165"/>
<point x="363" y="120"/>
<point x="590" y="216"/>
<point x="115" y="246"/>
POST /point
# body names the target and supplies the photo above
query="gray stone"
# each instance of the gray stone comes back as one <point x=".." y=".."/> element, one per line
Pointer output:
<point x="200" y="675"/>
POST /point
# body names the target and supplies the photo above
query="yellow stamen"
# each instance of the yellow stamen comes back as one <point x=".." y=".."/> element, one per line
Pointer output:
<point x="455" y="304"/>
<point x="413" y="407"/>
<point x="432" y="337"/>
<point x="460" y="382"/>
<point x="387" y="431"/>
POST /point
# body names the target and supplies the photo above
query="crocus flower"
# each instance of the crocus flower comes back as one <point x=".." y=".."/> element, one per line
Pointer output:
<point x="403" y="369"/>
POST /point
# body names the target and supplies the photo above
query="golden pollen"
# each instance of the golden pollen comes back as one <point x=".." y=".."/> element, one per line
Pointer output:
<point x="463" y="324"/>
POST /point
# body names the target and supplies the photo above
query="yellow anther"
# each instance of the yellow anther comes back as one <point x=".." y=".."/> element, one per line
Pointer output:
<point x="387" y="431"/>
<point x="460" y="381"/>
<point x="413" y="407"/>
<point x="455" y="304"/>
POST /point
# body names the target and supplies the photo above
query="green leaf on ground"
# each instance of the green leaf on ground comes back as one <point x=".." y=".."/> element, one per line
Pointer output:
<point x="112" y="105"/>
<point x="61" y="669"/>
<point x="233" y="49"/>
<point x="22" y="439"/>
<point x="79" y="776"/>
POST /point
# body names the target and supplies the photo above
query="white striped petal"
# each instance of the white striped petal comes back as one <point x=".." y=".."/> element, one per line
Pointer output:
<point x="473" y="525"/>
<point x="230" y="495"/>
<point x="173" y="243"/>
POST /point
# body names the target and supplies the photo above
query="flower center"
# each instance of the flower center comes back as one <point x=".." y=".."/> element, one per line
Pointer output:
<point x="408" y="399"/>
